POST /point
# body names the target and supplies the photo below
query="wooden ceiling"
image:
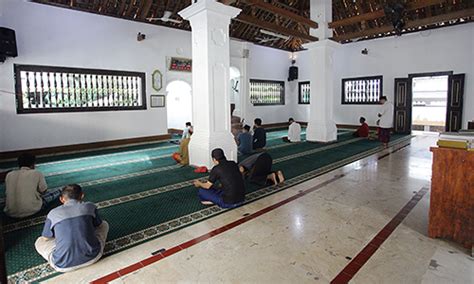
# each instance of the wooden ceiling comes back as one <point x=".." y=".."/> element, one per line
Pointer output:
<point x="353" y="20"/>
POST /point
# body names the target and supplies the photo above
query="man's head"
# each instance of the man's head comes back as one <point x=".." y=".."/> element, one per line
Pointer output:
<point x="246" y="128"/>
<point x="188" y="124"/>
<point x="218" y="156"/>
<point x="258" y="122"/>
<point x="291" y="120"/>
<point x="27" y="160"/>
<point x="383" y="99"/>
<point x="70" y="192"/>
<point x="362" y="119"/>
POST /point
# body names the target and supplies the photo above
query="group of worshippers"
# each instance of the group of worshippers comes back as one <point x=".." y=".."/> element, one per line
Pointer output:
<point x="384" y="123"/>
<point x="73" y="235"/>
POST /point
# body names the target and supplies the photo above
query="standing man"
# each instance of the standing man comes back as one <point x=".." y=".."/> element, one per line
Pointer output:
<point x="73" y="235"/>
<point x="26" y="189"/>
<point x="225" y="186"/>
<point x="259" y="135"/>
<point x="386" y="121"/>
<point x="294" y="131"/>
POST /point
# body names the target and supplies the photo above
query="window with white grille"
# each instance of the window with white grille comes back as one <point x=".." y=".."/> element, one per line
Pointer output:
<point x="362" y="90"/>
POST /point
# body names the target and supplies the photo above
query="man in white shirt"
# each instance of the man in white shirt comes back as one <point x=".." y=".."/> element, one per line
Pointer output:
<point x="188" y="131"/>
<point x="385" y="121"/>
<point x="294" y="132"/>
<point x="26" y="190"/>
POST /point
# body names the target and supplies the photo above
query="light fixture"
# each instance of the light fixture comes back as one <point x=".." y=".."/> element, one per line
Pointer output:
<point x="274" y="34"/>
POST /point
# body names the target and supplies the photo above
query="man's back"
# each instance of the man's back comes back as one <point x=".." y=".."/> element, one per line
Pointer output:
<point x="73" y="226"/>
<point x="228" y="174"/>
<point x="245" y="142"/>
<point x="23" y="192"/>
<point x="259" y="138"/>
<point x="294" y="132"/>
<point x="386" y="120"/>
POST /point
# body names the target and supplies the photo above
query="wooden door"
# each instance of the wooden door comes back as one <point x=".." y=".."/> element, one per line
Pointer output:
<point x="455" y="101"/>
<point x="402" y="103"/>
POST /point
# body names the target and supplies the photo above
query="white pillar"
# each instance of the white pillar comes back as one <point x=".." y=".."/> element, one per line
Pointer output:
<point x="211" y="61"/>
<point x="321" y="125"/>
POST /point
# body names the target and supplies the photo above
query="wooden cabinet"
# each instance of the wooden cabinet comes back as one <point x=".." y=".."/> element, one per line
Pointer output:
<point x="452" y="196"/>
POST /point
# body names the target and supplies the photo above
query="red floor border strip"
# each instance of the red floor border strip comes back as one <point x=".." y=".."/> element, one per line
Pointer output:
<point x="366" y="253"/>
<point x="175" y="249"/>
<point x="155" y="258"/>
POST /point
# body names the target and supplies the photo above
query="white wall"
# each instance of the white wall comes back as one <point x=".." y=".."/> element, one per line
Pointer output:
<point x="271" y="64"/>
<point x="48" y="35"/>
<point x="445" y="49"/>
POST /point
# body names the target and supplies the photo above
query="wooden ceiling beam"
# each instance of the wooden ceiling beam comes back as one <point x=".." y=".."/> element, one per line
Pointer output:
<point x="411" y="24"/>
<point x="279" y="11"/>
<point x="145" y="9"/>
<point x="380" y="13"/>
<point x="273" y="27"/>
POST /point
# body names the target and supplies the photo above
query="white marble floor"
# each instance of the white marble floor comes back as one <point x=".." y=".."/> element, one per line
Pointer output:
<point x="311" y="239"/>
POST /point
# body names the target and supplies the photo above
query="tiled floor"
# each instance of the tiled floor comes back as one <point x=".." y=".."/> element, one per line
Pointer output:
<point x="314" y="237"/>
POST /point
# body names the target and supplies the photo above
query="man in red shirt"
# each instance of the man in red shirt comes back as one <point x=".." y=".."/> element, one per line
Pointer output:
<point x="363" y="130"/>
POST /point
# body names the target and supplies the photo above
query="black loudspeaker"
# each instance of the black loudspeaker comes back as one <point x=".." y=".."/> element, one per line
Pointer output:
<point x="293" y="73"/>
<point x="7" y="44"/>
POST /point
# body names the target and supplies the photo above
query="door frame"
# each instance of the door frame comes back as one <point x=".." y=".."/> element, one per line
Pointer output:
<point x="426" y="74"/>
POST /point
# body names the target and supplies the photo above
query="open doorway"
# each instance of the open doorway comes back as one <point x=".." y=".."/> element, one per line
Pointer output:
<point x="429" y="103"/>
<point x="179" y="105"/>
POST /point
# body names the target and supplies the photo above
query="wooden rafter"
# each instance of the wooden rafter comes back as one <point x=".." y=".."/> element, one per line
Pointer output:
<point x="273" y="27"/>
<point x="380" y="13"/>
<point x="409" y="25"/>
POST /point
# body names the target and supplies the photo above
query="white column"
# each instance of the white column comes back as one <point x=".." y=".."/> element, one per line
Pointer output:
<point x="321" y="125"/>
<point x="211" y="99"/>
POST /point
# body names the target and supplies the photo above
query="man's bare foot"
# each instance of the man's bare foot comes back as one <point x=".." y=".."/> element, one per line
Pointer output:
<point x="207" y="203"/>
<point x="273" y="178"/>
<point x="281" y="178"/>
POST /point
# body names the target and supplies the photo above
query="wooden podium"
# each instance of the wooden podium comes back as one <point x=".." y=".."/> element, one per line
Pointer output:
<point x="452" y="196"/>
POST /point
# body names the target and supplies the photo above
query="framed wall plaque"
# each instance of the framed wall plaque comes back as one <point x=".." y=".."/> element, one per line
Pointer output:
<point x="157" y="80"/>
<point x="157" y="101"/>
<point x="180" y="64"/>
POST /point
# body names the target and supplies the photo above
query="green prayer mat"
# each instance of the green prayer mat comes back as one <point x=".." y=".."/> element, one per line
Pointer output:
<point x="143" y="194"/>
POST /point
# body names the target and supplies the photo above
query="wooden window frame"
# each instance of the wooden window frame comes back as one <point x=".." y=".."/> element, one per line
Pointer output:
<point x="343" y="95"/>
<point x="282" y="93"/>
<point x="18" y="68"/>
<point x="300" y="102"/>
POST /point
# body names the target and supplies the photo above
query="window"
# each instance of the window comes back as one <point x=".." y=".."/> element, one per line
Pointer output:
<point x="363" y="90"/>
<point x="303" y="93"/>
<point x="60" y="89"/>
<point x="264" y="92"/>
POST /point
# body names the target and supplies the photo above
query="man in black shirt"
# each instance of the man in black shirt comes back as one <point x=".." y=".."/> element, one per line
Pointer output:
<point x="225" y="186"/>
<point x="259" y="135"/>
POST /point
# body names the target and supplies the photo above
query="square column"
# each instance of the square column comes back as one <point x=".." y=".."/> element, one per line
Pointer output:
<point x="211" y="91"/>
<point x="321" y="125"/>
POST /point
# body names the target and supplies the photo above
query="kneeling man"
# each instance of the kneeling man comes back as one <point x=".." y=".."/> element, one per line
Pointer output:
<point x="73" y="235"/>
<point x="225" y="186"/>
<point x="294" y="131"/>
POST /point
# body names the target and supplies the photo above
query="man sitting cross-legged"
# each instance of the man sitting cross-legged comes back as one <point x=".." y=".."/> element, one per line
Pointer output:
<point x="26" y="189"/>
<point x="294" y="131"/>
<point x="73" y="235"/>
<point x="225" y="186"/>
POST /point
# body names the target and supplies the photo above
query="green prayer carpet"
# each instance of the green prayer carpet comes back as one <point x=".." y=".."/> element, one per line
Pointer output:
<point x="143" y="194"/>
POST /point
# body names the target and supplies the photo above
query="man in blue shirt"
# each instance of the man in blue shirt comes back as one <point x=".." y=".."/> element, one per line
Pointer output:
<point x="245" y="140"/>
<point x="73" y="235"/>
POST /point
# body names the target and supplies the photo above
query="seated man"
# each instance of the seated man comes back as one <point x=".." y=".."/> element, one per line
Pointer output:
<point x="26" y="189"/>
<point x="231" y="191"/>
<point x="258" y="168"/>
<point x="294" y="131"/>
<point x="244" y="141"/>
<point x="363" y="130"/>
<point x="259" y="135"/>
<point x="73" y="235"/>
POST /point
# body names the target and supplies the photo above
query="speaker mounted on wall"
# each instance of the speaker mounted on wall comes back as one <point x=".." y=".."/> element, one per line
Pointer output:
<point x="7" y="44"/>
